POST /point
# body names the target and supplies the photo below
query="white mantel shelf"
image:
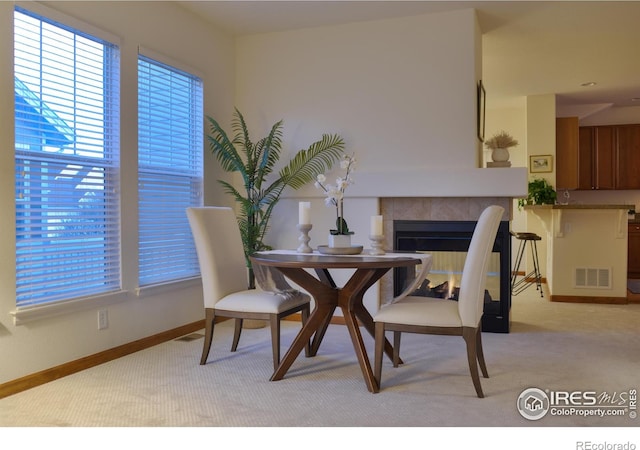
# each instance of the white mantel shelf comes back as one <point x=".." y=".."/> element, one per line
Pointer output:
<point x="432" y="182"/>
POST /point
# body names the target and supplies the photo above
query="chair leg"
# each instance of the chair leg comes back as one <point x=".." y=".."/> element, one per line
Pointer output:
<point x="305" y="316"/>
<point x="275" y="340"/>
<point x="480" y="354"/>
<point x="208" y="334"/>
<point x="396" y="348"/>
<point x="536" y="268"/>
<point x="378" y="351"/>
<point x="470" y="337"/>
<point x="236" y="335"/>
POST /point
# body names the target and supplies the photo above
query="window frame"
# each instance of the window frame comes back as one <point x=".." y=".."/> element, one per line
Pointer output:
<point x="26" y="313"/>
<point x="160" y="284"/>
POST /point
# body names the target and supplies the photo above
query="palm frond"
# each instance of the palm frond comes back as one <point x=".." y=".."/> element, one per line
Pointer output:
<point x="317" y="159"/>
<point x="239" y="126"/>
<point x="255" y="162"/>
<point x="224" y="150"/>
<point x="272" y="148"/>
<point x="231" y="190"/>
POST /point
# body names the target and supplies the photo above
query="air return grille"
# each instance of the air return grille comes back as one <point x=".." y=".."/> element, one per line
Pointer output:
<point x="587" y="277"/>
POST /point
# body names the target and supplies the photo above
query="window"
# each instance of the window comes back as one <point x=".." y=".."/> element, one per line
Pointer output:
<point x="170" y="146"/>
<point x="66" y="156"/>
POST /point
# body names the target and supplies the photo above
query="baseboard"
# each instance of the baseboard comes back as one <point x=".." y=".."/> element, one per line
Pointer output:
<point x="586" y="299"/>
<point x="54" y="373"/>
<point x="543" y="280"/>
<point x="47" y="375"/>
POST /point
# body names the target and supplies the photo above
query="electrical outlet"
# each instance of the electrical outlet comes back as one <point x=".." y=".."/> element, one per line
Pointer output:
<point x="103" y="319"/>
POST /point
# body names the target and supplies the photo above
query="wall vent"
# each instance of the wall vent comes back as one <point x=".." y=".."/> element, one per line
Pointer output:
<point x="587" y="277"/>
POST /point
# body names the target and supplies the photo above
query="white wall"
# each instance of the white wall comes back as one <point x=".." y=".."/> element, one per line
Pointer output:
<point x="167" y="29"/>
<point x="513" y="120"/>
<point x="401" y="92"/>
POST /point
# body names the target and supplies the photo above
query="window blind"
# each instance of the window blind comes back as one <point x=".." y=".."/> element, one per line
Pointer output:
<point x="170" y="147"/>
<point x="66" y="138"/>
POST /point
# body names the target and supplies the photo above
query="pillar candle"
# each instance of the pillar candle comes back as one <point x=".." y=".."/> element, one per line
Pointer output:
<point x="304" y="210"/>
<point x="376" y="225"/>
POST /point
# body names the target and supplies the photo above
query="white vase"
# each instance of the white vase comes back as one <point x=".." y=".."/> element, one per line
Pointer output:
<point x="500" y="154"/>
<point x="339" y="240"/>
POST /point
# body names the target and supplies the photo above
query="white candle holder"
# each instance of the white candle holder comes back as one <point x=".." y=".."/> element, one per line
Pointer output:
<point x="376" y="244"/>
<point x="304" y="238"/>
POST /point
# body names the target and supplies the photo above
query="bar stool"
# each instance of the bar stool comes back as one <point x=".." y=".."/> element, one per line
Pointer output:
<point x="517" y="286"/>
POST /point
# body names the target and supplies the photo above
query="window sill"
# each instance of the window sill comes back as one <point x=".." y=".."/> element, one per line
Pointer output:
<point x="160" y="288"/>
<point x="24" y="315"/>
<point x="33" y="313"/>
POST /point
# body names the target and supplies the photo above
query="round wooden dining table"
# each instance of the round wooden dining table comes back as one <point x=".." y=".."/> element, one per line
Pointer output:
<point x="327" y="295"/>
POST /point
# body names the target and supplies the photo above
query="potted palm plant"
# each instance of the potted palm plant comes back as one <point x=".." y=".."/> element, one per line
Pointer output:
<point x="255" y="162"/>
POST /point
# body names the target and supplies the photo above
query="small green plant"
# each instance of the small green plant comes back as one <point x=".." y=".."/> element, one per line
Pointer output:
<point x="540" y="193"/>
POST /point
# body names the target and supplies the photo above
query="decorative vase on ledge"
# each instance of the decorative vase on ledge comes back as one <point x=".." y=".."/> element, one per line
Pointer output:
<point x="339" y="240"/>
<point x="499" y="145"/>
<point x="500" y="154"/>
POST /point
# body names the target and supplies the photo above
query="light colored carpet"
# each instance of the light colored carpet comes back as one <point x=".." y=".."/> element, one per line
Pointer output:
<point x="555" y="346"/>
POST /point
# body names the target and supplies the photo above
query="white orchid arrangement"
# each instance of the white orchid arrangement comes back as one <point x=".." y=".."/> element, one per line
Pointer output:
<point x="335" y="193"/>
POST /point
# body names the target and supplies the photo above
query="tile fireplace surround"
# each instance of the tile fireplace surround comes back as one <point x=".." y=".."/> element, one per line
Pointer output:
<point x="432" y="208"/>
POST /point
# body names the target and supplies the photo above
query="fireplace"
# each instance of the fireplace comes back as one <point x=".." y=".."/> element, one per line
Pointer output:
<point x="448" y="242"/>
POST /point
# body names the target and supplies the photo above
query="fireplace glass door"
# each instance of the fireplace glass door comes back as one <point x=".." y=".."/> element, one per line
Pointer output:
<point x="448" y="242"/>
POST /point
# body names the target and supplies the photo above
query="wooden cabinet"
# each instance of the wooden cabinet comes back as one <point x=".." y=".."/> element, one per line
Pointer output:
<point x="567" y="153"/>
<point x="633" y="256"/>
<point x="597" y="158"/>
<point x="628" y="165"/>
<point x="601" y="157"/>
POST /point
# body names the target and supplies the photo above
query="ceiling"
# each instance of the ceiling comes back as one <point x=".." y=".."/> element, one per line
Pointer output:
<point x="529" y="47"/>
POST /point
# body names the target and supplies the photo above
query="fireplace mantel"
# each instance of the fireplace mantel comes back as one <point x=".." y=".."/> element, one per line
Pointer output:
<point x="444" y="182"/>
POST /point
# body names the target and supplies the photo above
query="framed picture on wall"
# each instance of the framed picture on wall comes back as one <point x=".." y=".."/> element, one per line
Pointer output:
<point x="481" y="106"/>
<point x="540" y="163"/>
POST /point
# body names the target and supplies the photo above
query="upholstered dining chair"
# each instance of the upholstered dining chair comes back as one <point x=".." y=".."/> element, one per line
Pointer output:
<point x="224" y="280"/>
<point x="427" y="315"/>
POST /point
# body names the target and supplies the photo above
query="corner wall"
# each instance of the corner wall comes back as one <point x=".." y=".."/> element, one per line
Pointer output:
<point x="171" y="31"/>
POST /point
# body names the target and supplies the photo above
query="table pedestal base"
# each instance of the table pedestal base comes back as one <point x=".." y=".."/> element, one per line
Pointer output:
<point x="327" y="298"/>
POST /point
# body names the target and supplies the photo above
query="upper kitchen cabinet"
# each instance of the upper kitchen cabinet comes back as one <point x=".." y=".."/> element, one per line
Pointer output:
<point x="628" y="167"/>
<point x="597" y="157"/>
<point x="567" y="153"/>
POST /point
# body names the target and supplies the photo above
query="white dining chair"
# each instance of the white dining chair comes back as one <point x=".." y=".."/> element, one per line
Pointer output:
<point x="428" y="315"/>
<point x="224" y="280"/>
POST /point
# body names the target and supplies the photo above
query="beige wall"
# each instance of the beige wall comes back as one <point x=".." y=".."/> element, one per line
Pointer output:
<point x="166" y="29"/>
<point x="401" y="92"/>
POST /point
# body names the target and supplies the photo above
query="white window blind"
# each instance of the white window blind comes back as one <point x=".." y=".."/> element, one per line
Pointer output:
<point x="66" y="148"/>
<point x="170" y="147"/>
